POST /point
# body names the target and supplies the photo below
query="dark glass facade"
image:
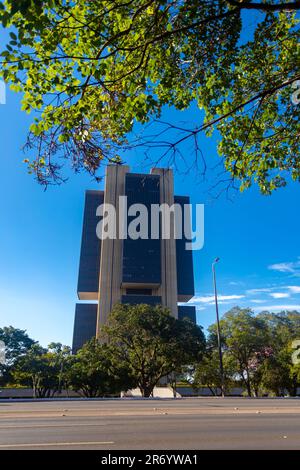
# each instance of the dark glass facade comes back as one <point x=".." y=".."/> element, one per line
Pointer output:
<point x="84" y="325"/>
<point x="141" y="258"/>
<point x="186" y="311"/>
<point x="141" y="299"/>
<point x="184" y="258"/>
<point x="89" y="266"/>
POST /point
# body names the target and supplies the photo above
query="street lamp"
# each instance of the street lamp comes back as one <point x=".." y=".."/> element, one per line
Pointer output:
<point x="218" y="328"/>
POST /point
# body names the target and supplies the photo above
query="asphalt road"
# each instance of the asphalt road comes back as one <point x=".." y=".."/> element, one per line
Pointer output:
<point x="196" y="423"/>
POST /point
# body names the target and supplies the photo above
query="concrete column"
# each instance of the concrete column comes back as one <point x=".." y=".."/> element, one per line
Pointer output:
<point x="111" y="250"/>
<point x="168" y="289"/>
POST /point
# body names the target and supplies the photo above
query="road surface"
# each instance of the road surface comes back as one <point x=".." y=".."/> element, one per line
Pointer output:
<point x="191" y="423"/>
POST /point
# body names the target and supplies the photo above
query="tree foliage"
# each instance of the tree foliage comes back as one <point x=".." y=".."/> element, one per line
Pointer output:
<point x="42" y="370"/>
<point x="96" y="373"/>
<point x="152" y="343"/>
<point x="207" y="372"/>
<point x="141" y="344"/>
<point x="92" y="69"/>
<point x="279" y="372"/>
<point x="16" y="344"/>
<point x="243" y="337"/>
<point x="92" y="372"/>
<point x="257" y="352"/>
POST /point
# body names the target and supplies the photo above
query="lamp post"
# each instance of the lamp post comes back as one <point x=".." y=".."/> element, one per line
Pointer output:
<point x="218" y="328"/>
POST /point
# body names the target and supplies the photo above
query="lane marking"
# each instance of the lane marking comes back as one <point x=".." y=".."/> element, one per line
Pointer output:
<point x="54" y="444"/>
<point x="33" y="426"/>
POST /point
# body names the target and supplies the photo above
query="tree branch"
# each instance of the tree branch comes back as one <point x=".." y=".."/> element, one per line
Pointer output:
<point x="265" y="6"/>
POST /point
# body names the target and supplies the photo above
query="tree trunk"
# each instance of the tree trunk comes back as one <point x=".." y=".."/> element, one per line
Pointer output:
<point x="293" y="389"/>
<point x="248" y="384"/>
<point x="146" y="390"/>
<point x="33" y="387"/>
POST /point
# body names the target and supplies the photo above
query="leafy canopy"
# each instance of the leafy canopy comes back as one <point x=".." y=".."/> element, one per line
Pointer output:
<point x="42" y="369"/>
<point x="207" y="373"/>
<point x="244" y="338"/>
<point x="152" y="343"/>
<point x="17" y="343"/>
<point x="94" y="371"/>
<point x="91" y="69"/>
<point x="257" y="352"/>
<point x="279" y="372"/>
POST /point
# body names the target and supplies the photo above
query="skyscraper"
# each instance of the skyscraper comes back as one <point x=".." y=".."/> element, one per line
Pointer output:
<point x="123" y="269"/>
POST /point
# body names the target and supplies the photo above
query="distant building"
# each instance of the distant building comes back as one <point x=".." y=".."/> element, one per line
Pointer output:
<point x="111" y="271"/>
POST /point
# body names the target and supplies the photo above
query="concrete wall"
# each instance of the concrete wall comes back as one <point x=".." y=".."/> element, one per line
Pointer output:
<point x="28" y="393"/>
<point x="159" y="392"/>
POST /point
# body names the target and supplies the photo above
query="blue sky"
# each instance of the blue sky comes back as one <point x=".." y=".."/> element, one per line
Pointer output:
<point x="256" y="238"/>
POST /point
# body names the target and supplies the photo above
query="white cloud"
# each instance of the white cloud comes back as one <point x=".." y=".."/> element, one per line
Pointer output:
<point x="294" y="289"/>
<point x="275" y="295"/>
<point x="209" y="299"/>
<point x="257" y="301"/>
<point x="277" y="308"/>
<point x="291" y="267"/>
<point x="230" y="297"/>
<point x="279" y="295"/>
<point x="258" y="291"/>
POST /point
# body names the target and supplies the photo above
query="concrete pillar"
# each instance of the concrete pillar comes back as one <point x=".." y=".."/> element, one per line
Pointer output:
<point x="168" y="289"/>
<point x="111" y="250"/>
